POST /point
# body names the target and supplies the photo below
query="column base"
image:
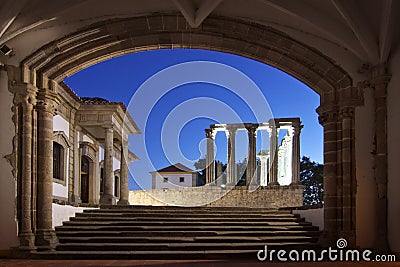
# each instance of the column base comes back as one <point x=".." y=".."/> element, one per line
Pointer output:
<point x="107" y="200"/>
<point x="46" y="240"/>
<point x="273" y="184"/>
<point x="76" y="199"/>
<point x="123" y="202"/>
<point x="26" y="242"/>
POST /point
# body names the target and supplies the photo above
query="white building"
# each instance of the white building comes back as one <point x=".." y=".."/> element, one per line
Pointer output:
<point x="87" y="131"/>
<point x="173" y="176"/>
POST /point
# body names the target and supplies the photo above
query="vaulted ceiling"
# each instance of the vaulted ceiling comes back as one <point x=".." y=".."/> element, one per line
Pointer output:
<point x="352" y="32"/>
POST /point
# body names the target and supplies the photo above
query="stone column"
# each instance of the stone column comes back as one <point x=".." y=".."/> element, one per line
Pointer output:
<point x="263" y="170"/>
<point x="108" y="194"/>
<point x="296" y="127"/>
<point x="380" y="81"/>
<point x="46" y="107"/>
<point x="251" y="158"/>
<point x="273" y="158"/>
<point x="210" y="160"/>
<point x="328" y="118"/>
<point x="231" y="178"/>
<point x="124" y="175"/>
<point x="76" y="197"/>
<point x="28" y="100"/>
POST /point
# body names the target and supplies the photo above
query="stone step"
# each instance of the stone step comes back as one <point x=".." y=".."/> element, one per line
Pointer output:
<point x="93" y="233"/>
<point x="123" y="228"/>
<point x="186" y="219"/>
<point x="137" y="232"/>
<point x="182" y="208"/>
<point x="174" y="246"/>
<point x="186" y="214"/>
<point x="185" y="223"/>
<point x="186" y="239"/>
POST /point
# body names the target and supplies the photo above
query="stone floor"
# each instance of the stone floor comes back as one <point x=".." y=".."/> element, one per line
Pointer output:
<point x="179" y="263"/>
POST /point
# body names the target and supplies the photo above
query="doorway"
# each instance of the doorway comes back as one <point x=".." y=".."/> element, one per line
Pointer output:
<point x="85" y="171"/>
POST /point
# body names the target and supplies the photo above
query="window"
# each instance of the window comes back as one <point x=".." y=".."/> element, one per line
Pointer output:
<point x="181" y="179"/>
<point x="116" y="186"/>
<point x="58" y="161"/>
<point x="165" y="180"/>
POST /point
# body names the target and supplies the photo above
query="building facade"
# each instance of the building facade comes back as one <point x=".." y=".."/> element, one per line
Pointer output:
<point x="174" y="176"/>
<point x="90" y="149"/>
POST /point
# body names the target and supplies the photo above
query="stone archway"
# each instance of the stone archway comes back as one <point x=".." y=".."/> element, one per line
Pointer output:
<point x="35" y="82"/>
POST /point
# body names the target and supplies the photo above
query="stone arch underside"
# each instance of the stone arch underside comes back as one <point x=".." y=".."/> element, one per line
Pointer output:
<point x="53" y="62"/>
<point x="108" y="39"/>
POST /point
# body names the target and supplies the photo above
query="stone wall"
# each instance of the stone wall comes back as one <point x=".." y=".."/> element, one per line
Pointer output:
<point x="262" y="197"/>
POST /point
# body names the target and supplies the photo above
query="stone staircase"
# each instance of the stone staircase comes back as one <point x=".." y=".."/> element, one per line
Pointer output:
<point x="150" y="232"/>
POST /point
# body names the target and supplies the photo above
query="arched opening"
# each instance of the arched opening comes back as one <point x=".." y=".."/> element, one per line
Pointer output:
<point x="85" y="174"/>
<point x="339" y="96"/>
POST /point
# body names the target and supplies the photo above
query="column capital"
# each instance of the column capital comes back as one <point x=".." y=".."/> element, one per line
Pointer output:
<point x="230" y="130"/>
<point x="251" y="128"/>
<point x="297" y="126"/>
<point x="47" y="101"/>
<point x="327" y="114"/>
<point x="24" y="93"/>
<point x="210" y="133"/>
<point x="108" y="127"/>
<point x="346" y="112"/>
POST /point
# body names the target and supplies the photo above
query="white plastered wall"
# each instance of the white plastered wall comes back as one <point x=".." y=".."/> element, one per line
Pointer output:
<point x="393" y="112"/>
<point x="61" y="190"/>
<point x="366" y="186"/>
<point x="8" y="223"/>
<point x="173" y="180"/>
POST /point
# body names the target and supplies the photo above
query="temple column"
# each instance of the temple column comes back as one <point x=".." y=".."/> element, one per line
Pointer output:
<point x="273" y="162"/>
<point x="108" y="196"/>
<point x="231" y="168"/>
<point x="263" y="170"/>
<point x="296" y="129"/>
<point x="210" y="160"/>
<point x="46" y="107"/>
<point x="26" y="95"/>
<point x="251" y="158"/>
<point x="124" y="176"/>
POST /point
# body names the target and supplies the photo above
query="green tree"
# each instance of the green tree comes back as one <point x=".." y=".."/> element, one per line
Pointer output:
<point x="311" y="176"/>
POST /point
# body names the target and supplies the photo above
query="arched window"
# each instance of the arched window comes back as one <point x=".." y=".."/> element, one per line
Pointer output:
<point x="58" y="161"/>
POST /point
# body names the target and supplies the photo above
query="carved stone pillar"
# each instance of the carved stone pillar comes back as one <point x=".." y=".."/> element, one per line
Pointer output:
<point x="348" y="187"/>
<point x="210" y="160"/>
<point x="231" y="168"/>
<point x="273" y="158"/>
<point x="329" y="120"/>
<point x="251" y="158"/>
<point x="380" y="81"/>
<point x="46" y="107"/>
<point x="296" y="152"/>
<point x="108" y="196"/>
<point x="124" y="175"/>
<point x="26" y="97"/>
<point x="76" y="197"/>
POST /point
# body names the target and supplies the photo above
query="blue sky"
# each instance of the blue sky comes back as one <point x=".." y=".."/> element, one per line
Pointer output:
<point x="174" y="95"/>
